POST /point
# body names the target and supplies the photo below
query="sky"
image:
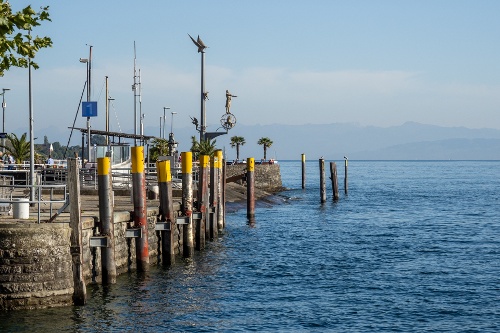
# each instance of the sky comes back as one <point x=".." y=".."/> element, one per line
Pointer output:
<point x="372" y="63"/>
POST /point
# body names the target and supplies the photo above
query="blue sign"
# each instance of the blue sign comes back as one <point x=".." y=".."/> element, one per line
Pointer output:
<point x="89" y="109"/>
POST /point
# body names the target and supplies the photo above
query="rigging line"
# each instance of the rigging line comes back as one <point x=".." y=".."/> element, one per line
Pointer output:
<point x="116" y="116"/>
<point x="74" y="121"/>
<point x="100" y="92"/>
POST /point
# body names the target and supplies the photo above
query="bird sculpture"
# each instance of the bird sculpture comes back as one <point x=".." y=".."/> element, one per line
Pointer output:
<point x="199" y="43"/>
<point x="194" y="121"/>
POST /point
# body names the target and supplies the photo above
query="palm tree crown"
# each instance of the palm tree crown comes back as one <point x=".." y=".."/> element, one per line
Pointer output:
<point x="237" y="141"/>
<point x="266" y="142"/>
<point x="205" y="147"/>
<point x="19" y="148"/>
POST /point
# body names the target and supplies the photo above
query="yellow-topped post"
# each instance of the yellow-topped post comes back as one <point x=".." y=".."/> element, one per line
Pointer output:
<point x="140" y="208"/>
<point x="166" y="211"/>
<point x="214" y="196"/>
<point x="220" y="204"/>
<point x="105" y="193"/>
<point x="201" y="224"/>
<point x="187" y="203"/>
<point x="251" y="188"/>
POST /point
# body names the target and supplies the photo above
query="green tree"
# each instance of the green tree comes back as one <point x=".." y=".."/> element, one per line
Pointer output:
<point x="98" y="139"/>
<point x="237" y="141"/>
<point x="205" y="147"/>
<point x="159" y="148"/>
<point x="16" y="42"/>
<point x="19" y="148"/>
<point x="266" y="142"/>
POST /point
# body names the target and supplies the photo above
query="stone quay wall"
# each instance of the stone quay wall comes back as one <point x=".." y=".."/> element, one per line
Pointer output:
<point x="267" y="176"/>
<point x="36" y="264"/>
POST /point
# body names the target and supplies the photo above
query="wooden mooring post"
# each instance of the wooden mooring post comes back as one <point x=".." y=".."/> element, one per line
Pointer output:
<point x="140" y="209"/>
<point x="187" y="204"/>
<point x="250" y="188"/>
<point x="345" y="175"/>
<point x="322" y="182"/>
<point x="220" y="213"/>
<point x="201" y="224"/>
<point x="303" y="171"/>
<point x="79" y="289"/>
<point x="106" y="213"/>
<point x="223" y="193"/>
<point x="166" y="212"/>
<point x="214" y="195"/>
<point x="333" y="177"/>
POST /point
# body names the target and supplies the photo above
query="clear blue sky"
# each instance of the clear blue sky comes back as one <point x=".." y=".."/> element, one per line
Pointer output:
<point x="369" y="62"/>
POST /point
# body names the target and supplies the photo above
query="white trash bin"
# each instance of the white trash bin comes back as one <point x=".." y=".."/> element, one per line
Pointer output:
<point x="153" y="192"/>
<point x="20" y="208"/>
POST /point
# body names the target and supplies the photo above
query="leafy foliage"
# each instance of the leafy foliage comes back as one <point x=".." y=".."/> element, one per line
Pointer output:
<point x="205" y="147"/>
<point x="17" y="45"/>
<point x="159" y="148"/>
<point x="237" y="141"/>
<point x="266" y="142"/>
<point x="19" y="148"/>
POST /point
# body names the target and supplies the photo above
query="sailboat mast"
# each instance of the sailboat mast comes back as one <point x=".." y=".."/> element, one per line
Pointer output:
<point x="134" y="89"/>
<point x="141" y="115"/>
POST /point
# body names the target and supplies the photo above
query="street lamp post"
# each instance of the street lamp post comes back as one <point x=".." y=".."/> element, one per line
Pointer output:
<point x="201" y="49"/>
<point x="164" y="121"/>
<point x="89" y="89"/>
<point x="4" y="106"/>
<point x="171" y="141"/>
<point x="160" y="127"/>
<point x="172" y="122"/>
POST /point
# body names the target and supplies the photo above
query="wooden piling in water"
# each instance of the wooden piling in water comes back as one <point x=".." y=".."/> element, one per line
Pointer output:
<point x="166" y="212"/>
<point x="220" y="160"/>
<point x="187" y="204"/>
<point x="333" y="177"/>
<point x="213" y="197"/>
<point x="223" y="194"/>
<point x="106" y="212"/>
<point x="322" y="182"/>
<point x="140" y="208"/>
<point x="75" y="223"/>
<point x="250" y="188"/>
<point x="201" y="224"/>
<point x="345" y="176"/>
<point x="303" y="171"/>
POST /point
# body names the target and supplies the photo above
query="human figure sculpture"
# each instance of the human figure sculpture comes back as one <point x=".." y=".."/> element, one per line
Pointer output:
<point x="228" y="101"/>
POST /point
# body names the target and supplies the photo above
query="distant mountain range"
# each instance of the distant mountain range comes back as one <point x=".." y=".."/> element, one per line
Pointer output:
<point x="409" y="141"/>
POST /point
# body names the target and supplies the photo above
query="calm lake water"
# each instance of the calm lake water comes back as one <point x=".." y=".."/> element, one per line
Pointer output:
<point x="414" y="247"/>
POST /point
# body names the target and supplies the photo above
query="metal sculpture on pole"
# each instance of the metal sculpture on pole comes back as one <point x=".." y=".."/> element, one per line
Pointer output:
<point x="228" y="120"/>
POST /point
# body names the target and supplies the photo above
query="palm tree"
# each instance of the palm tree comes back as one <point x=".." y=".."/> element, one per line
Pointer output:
<point x="237" y="141"/>
<point x="205" y="147"/>
<point x="266" y="142"/>
<point x="160" y="148"/>
<point x="18" y="148"/>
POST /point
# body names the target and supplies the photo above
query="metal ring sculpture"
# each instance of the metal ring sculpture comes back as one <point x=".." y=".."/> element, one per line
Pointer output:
<point x="227" y="121"/>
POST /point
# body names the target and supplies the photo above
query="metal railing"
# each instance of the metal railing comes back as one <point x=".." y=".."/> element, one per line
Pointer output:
<point x="19" y="195"/>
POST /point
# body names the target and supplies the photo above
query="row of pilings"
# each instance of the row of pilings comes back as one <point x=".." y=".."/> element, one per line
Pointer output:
<point x="200" y="221"/>
<point x="322" y="178"/>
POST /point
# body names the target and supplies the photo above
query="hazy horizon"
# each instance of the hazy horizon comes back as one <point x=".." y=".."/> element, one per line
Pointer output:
<point x="373" y="63"/>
